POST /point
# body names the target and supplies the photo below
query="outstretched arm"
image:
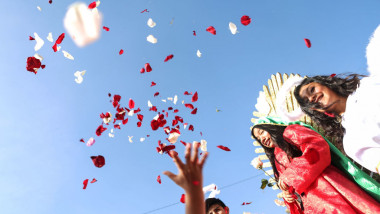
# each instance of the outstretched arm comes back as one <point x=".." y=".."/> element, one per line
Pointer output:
<point x="190" y="178"/>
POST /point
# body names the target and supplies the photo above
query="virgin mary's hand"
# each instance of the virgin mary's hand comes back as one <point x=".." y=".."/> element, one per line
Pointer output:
<point x="288" y="197"/>
<point x="283" y="186"/>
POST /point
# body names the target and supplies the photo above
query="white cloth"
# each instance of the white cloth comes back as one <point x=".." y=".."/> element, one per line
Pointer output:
<point x="362" y="123"/>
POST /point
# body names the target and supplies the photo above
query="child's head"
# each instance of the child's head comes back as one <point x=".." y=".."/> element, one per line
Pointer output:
<point x="216" y="206"/>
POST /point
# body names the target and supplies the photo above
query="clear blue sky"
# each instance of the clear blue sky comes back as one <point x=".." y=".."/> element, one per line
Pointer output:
<point x="42" y="162"/>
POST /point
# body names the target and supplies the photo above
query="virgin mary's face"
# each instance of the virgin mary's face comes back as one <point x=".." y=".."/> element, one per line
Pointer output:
<point x="264" y="137"/>
<point x="318" y="93"/>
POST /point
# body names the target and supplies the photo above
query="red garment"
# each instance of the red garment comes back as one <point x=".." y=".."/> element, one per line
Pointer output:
<point x="323" y="187"/>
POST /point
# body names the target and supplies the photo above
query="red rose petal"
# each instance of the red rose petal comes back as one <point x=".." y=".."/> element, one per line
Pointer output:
<point x="98" y="161"/>
<point x="224" y="148"/>
<point x="109" y="94"/>
<point x="169" y="57"/>
<point x="154" y="124"/>
<point x="121" y="51"/>
<point x="156" y="94"/>
<point x="139" y="124"/>
<point x="176" y="111"/>
<point x="174" y="122"/>
<point x="106" y="28"/>
<point x="187" y="93"/>
<point x="211" y="29"/>
<point x="93" y="180"/>
<point x="81" y="140"/>
<point x="43" y="66"/>
<point x="194" y="111"/>
<point x="245" y="20"/>
<point x="31" y="38"/>
<point x="146" y="10"/>
<point x="142" y="70"/>
<point x="194" y="34"/>
<point x="153" y="84"/>
<point x="55" y="47"/>
<point x="195" y="97"/>
<point x="92" y="5"/>
<point x="50" y="1"/>
<point x="100" y="130"/>
<point x="140" y="117"/>
<point x="307" y="42"/>
<point x="125" y="121"/>
<point x="189" y="105"/>
<point x="332" y="75"/>
<point x="180" y="119"/>
<point x="60" y="38"/>
<point x="147" y="67"/>
<point x="116" y="126"/>
<point x="131" y="104"/>
<point x="85" y="182"/>
<point x="201" y="133"/>
<point x="159" y="179"/>
<point x="191" y="128"/>
<point x="32" y="64"/>
<point x="184" y="143"/>
<point x="182" y="198"/>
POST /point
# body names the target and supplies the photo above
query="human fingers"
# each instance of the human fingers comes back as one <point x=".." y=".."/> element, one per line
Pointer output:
<point x="187" y="153"/>
<point x="171" y="175"/>
<point x="203" y="160"/>
<point x="194" y="156"/>
<point x="180" y="165"/>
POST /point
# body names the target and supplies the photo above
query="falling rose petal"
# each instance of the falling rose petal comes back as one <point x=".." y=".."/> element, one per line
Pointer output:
<point x="154" y="124"/>
<point x="90" y="142"/>
<point x="142" y="70"/>
<point x="93" y="180"/>
<point x="191" y="128"/>
<point x="194" y="33"/>
<point x="173" y="137"/>
<point x="183" y="142"/>
<point x="307" y="42"/>
<point x="43" y="66"/>
<point x="31" y="38"/>
<point x="79" y="76"/>
<point x="233" y="28"/>
<point x="38" y="57"/>
<point x="98" y="161"/>
<point x="147" y="67"/>
<point x="156" y="94"/>
<point x="175" y="100"/>
<point x="146" y="10"/>
<point x="169" y="57"/>
<point x="92" y="5"/>
<point x="152" y="84"/>
<point x="55" y="48"/>
<point x="189" y="105"/>
<point x="39" y="8"/>
<point x="194" y="111"/>
<point x="100" y="130"/>
<point x="187" y="93"/>
<point x="116" y="126"/>
<point x="195" y="97"/>
<point x="131" y="113"/>
<point x="245" y="20"/>
<point x="131" y="104"/>
<point x="332" y="75"/>
<point x="140" y="117"/>
<point x="139" y="124"/>
<point x="224" y="148"/>
<point x="182" y="200"/>
<point x="106" y="28"/>
<point x="81" y="140"/>
<point x="60" y="39"/>
<point x="39" y="42"/>
<point x="33" y="64"/>
<point x="151" y="39"/>
<point x="85" y="182"/>
<point x="67" y="55"/>
<point x="121" y="51"/>
<point x="130" y="139"/>
<point x="83" y="25"/>
<point x="246" y="203"/>
<point x="159" y="179"/>
<point x="149" y="104"/>
<point x="125" y="121"/>
<point x="50" y="1"/>
<point x="50" y="37"/>
<point x="211" y="29"/>
<point x="151" y="23"/>
<point x="199" y="54"/>
<point x="142" y="139"/>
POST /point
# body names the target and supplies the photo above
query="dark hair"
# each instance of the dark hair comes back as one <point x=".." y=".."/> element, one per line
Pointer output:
<point x="341" y="86"/>
<point x="211" y="201"/>
<point x="276" y="133"/>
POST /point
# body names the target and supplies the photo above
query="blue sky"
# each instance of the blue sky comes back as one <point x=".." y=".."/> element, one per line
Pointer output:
<point x="42" y="162"/>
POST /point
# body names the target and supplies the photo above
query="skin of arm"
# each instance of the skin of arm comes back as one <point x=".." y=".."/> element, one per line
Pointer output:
<point x="190" y="178"/>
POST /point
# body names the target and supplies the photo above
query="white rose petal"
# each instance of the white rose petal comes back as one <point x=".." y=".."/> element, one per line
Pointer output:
<point x="173" y="137"/>
<point x="199" y="54"/>
<point x="175" y="99"/>
<point x="67" y="55"/>
<point x="142" y="139"/>
<point x="170" y="98"/>
<point x="38" y="56"/>
<point x="130" y="139"/>
<point x="50" y="37"/>
<point x="151" y="23"/>
<point x="58" y="48"/>
<point x="151" y="39"/>
<point x="233" y="28"/>
<point x="39" y="8"/>
<point x="257" y="163"/>
<point x="79" y="76"/>
<point x="97" y="3"/>
<point x="131" y="113"/>
<point x="111" y="135"/>
<point x="39" y="42"/>
<point x="149" y="104"/>
<point x="82" y="24"/>
<point x="163" y="101"/>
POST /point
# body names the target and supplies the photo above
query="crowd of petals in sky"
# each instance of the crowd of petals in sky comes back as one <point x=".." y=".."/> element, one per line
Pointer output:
<point x="83" y="23"/>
